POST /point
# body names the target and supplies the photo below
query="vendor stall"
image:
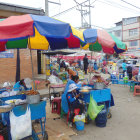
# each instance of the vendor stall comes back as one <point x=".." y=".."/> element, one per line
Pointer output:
<point x="40" y="34"/>
<point x="19" y="104"/>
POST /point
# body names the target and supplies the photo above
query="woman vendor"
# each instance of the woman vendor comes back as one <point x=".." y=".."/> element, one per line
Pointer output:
<point x="103" y="78"/>
<point x="24" y="84"/>
<point x="73" y="102"/>
<point x="73" y="80"/>
<point x="99" y="78"/>
<point x="70" y="72"/>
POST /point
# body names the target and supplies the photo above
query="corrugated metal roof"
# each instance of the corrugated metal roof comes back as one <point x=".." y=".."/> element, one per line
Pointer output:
<point x="21" y="8"/>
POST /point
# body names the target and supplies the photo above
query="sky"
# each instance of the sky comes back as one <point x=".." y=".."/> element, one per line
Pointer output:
<point x="104" y="13"/>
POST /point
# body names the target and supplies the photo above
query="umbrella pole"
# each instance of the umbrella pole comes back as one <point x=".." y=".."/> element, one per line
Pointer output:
<point x="90" y="67"/>
<point x="29" y="45"/>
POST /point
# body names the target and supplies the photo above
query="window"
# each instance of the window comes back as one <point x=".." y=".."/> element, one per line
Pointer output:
<point x="133" y="32"/>
<point x="133" y="43"/>
<point x="118" y="33"/>
<point x="129" y="21"/>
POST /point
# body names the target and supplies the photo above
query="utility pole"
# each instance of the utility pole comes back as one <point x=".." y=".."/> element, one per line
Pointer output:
<point x="46" y="8"/>
<point x="85" y="10"/>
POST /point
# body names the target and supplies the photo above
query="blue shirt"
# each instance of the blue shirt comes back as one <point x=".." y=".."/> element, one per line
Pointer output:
<point x="64" y="100"/>
<point x="124" y="66"/>
<point x="18" y="87"/>
<point x="71" y="97"/>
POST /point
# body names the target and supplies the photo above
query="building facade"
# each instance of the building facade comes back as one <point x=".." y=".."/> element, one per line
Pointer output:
<point x="117" y="30"/>
<point x="131" y="32"/>
<point x="128" y="30"/>
<point x="8" y="59"/>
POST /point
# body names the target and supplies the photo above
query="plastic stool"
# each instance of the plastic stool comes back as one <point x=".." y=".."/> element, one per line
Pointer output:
<point x="56" y="105"/>
<point x="120" y="76"/>
<point x="136" y="90"/>
<point x="76" y="112"/>
<point x="1" y="137"/>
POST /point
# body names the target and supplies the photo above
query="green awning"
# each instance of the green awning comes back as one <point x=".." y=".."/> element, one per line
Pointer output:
<point x="119" y="43"/>
<point x="95" y="47"/>
<point x="21" y="44"/>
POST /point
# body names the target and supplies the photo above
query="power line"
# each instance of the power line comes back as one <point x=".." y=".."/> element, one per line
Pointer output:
<point x="93" y="2"/>
<point x="111" y="3"/>
<point x="130" y="4"/>
<point x="68" y="10"/>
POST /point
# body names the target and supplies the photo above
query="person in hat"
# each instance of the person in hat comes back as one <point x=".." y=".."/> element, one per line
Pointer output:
<point x="73" y="100"/>
<point x="24" y="84"/>
<point x="64" y="100"/>
<point x="100" y="77"/>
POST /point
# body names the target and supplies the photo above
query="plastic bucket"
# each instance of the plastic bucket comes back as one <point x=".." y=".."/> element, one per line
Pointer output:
<point x="79" y="125"/>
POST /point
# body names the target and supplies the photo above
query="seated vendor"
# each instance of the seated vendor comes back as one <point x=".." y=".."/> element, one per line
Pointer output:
<point x="99" y="78"/>
<point x="24" y="84"/>
<point x="73" y="102"/>
<point x="70" y="72"/>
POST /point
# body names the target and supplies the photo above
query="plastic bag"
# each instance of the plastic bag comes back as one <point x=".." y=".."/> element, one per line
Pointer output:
<point x="21" y="126"/>
<point x="94" y="109"/>
<point x="55" y="80"/>
<point x="79" y="118"/>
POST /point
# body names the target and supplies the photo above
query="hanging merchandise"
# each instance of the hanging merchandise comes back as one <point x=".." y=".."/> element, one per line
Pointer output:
<point x="21" y="126"/>
<point x="94" y="109"/>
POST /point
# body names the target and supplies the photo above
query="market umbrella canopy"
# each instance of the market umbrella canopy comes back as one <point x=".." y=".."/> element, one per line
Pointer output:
<point x="98" y="40"/>
<point x="50" y="27"/>
<point x="45" y="33"/>
<point x="42" y="31"/>
<point x="16" y="27"/>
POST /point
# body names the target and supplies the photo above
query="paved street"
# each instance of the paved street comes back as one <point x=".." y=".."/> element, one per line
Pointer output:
<point x="125" y="121"/>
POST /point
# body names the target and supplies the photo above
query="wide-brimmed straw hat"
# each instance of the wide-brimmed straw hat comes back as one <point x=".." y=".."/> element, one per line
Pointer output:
<point x="105" y="76"/>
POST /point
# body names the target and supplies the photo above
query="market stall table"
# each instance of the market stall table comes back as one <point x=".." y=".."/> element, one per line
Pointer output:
<point x="38" y="112"/>
<point x="99" y="96"/>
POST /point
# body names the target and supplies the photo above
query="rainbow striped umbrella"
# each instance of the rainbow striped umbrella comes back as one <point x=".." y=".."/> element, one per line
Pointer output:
<point x="100" y="40"/>
<point x="45" y="33"/>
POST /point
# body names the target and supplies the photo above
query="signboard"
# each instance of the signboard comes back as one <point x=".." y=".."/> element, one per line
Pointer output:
<point x="7" y="54"/>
